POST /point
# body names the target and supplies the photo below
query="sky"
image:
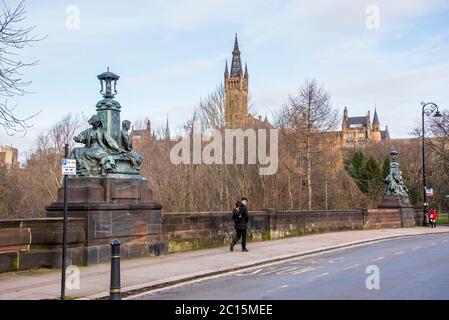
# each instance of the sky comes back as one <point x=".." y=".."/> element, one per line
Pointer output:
<point x="388" y="54"/>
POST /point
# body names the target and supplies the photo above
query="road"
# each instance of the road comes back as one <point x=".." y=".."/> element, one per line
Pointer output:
<point x="409" y="268"/>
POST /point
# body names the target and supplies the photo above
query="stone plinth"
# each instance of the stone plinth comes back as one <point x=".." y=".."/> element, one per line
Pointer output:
<point x="114" y="207"/>
<point x="394" y="202"/>
<point x="403" y="204"/>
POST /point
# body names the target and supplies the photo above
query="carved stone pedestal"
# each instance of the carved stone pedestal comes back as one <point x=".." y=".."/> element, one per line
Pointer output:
<point x="115" y="207"/>
<point x="402" y="203"/>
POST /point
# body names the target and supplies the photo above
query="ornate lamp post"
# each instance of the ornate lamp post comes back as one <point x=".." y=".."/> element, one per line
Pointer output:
<point x="108" y="109"/>
<point x="428" y="109"/>
<point x="106" y="79"/>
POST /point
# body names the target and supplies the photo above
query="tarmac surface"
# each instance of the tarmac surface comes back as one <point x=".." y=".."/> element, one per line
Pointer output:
<point x="407" y="268"/>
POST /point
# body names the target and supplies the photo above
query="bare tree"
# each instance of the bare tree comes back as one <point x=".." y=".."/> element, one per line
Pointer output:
<point x="13" y="37"/>
<point x="304" y="119"/>
<point x="211" y="110"/>
<point x="25" y="191"/>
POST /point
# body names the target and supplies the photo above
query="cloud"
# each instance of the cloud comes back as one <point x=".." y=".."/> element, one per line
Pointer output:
<point x="177" y="71"/>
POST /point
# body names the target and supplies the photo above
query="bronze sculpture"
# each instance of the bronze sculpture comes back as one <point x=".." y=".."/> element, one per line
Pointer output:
<point x="107" y="149"/>
<point x="126" y="143"/>
<point x="395" y="182"/>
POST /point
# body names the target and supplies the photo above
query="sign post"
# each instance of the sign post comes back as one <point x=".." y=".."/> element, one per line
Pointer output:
<point x="68" y="167"/>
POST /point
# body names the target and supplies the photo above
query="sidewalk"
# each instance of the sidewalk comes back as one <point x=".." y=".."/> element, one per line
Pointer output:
<point x="153" y="272"/>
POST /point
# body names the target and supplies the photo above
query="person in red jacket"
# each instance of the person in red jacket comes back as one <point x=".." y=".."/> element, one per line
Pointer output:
<point x="433" y="218"/>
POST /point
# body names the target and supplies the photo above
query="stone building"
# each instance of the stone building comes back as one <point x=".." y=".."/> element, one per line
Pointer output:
<point x="236" y="90"/>
<point x="236" y="94"/>
<point x="8" y="156"/>
<point x="137" y="134"/>
<point x="359" y="130"/>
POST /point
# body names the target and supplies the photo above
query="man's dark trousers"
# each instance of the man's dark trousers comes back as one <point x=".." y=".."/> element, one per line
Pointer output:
<point x="241" y="233"/>
<point x="241" y="226"/>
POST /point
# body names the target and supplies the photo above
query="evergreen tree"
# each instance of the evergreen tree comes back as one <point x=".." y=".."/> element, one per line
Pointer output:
<point x="356" y="166"/>
<point x="373" y="175"/>
<point x="386" y="167"/>
<point x="372" y="184"/>
<point x="357" y="169"/>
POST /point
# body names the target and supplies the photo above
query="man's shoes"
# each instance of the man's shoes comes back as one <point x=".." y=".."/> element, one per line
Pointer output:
<point x="231" y="247"/>
<point x="245" y="250"/>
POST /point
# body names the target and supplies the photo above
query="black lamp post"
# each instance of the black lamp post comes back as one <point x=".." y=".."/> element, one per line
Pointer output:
<point x="428" y="109"/>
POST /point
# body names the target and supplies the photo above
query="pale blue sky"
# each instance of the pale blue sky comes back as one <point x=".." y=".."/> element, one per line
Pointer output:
<point x="169" y="54"/>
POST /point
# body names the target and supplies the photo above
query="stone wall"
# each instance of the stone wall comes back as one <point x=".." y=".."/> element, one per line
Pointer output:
<point x="188" y="231"/>
<point x="34" y="243"/>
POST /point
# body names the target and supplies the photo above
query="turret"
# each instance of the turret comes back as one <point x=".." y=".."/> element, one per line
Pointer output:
<point x="376" y="123"/>
<point x="345" y="118"/>
<point x="226" y="73"/>
<point x="376" y="133"/>
<point x="167" y="131"/>
<point x="236" y="66"/>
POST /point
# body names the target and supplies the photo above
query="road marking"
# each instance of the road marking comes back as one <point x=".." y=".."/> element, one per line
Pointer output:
<point x="305" y="261"/>
<point x="444" y="240"/>
<point x="433" y="243"/>
<point x="287" y="270"/>
<point x="350" y="267"/>
<point x="272" y="271"/>
<point x="249" y="273"/>
<point x="416" y="248"/>
<point x="303" y="270"/>
<point x="399" y="252"/>
<point x="377" y="259"/>
<point x="336" y="260"/>
<point x="319" y="275"/>
<point x="281" y="287"/>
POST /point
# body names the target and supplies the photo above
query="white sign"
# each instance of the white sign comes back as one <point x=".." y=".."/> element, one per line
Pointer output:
<point x="429" y="192"/>
<point x="68" y="167"/>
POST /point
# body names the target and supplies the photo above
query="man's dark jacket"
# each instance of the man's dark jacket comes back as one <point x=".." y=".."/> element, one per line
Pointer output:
<point x="242" y="224"/>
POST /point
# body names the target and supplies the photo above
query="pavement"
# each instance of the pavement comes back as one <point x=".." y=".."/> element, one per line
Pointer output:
<point x="412" y="268"/>
<point x="150" y="273"/>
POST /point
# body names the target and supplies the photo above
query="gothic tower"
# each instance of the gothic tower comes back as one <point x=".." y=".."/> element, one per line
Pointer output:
<point x="236" y="90"/>
<point x="345" y="123"/>
<point x="376" y="133"/>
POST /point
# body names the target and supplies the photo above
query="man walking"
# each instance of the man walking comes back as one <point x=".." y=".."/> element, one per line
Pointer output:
<point x="241" y="218"/>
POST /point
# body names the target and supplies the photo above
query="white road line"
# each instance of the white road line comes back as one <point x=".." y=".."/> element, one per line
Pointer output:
<point x="350" y="267"/>
<point x="281" y="287"/>
<point x="336" y="260"/>
<point x="272" y="271"/>
<point x="249" y="273"/>
<point x="287" y="270"/>
<point x="319" y="275"/>
<point x="444" y="240"/>
<point x="399" y="252"/>
<point x="433" y="243"/>
<point x="304" y="261"/>
<point x="416" y="248"/>
<point x="378" y="259"/>
<point x="303" y="270"/>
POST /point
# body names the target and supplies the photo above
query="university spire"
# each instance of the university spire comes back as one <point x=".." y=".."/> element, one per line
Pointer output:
<point x="236" y="66"/>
